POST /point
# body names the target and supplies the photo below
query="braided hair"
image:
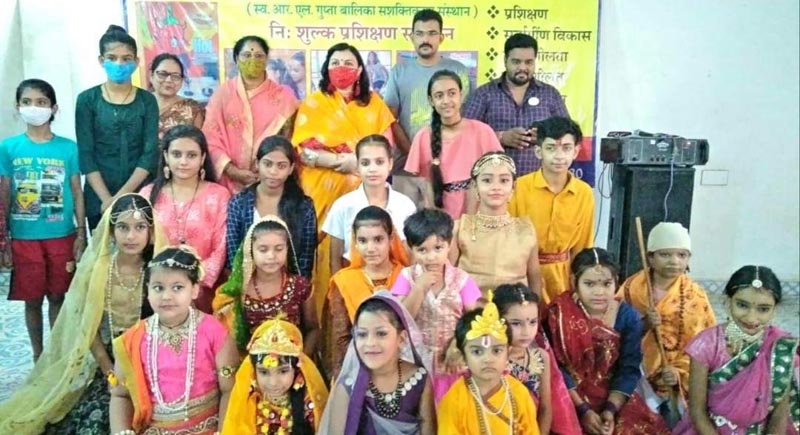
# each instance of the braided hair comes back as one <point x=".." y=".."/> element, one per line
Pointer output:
<point x="436" y="137"/>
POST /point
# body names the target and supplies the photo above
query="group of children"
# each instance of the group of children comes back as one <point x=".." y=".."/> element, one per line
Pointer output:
<point x="495" y="315"/>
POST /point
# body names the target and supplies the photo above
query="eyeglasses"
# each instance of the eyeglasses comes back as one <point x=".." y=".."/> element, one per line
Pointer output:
<point x="248" y="55"/>
<point x="163" y="76"/>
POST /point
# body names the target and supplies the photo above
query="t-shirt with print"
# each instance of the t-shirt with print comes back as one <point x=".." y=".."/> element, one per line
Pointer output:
<point x="42" y="206"/>
<point x="407" y="92"/>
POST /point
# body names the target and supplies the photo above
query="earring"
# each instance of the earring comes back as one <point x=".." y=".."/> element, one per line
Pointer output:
<point x="299" y="382"/>
<point x="166" y="172"/>
<point x="202" y="174"/>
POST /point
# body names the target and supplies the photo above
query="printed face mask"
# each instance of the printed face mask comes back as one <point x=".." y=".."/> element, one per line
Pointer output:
<point x="342" y="77"/>
<point x="35" y="116"/>
<point x="119" y="72"/>
<point x="252" y="68"/>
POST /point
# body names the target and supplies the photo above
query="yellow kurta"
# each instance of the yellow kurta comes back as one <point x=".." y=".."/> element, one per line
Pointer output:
<point x="564" y="224"/>
<point x="684" y="310"/>
<point x="458" y="411"/>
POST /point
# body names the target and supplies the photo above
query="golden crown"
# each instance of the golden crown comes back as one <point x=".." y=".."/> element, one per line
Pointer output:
<point x="488" y="323"/>
<point x="276" y="337"/>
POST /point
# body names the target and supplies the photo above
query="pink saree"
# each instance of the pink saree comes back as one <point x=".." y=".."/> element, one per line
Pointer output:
<point x="237" y="120"/>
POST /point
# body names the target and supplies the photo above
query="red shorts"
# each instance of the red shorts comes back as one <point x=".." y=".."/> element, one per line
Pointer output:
<point x="40" y="268"/>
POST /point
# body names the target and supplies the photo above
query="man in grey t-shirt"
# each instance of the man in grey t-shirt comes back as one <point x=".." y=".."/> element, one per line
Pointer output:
<point x="406" y="94"/>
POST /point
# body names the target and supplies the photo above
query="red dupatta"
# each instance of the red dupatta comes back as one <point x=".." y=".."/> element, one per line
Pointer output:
<point x="586" y="347"/>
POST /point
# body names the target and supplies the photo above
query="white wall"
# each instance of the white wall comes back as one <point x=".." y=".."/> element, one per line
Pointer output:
<point x="725" y="70"/>
<point x="56" y="41"/>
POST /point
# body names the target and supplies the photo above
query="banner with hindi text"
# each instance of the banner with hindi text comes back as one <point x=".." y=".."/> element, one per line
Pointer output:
<point x="299" y="33"/>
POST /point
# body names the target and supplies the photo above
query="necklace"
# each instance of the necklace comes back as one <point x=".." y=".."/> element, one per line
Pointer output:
<point x="182" y="218"/>
<point x="182" y="402"/>
<point x="483" y="408"/>
<point x="678" y="342"/>
<point x="174" y="336"/>
<point x="487" y="222"/>
<point x="113" y="273"/>
<point x="108" y="95"/>
<point x="377" y="282"/>
<point x="284" y="280"/>
<point x="274" y="412"/>
<point x="737" y="339"/>
<point x="388" y="404"/>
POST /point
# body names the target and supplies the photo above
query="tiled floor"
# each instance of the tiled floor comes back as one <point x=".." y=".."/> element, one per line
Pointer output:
<point x="16" y="360"/>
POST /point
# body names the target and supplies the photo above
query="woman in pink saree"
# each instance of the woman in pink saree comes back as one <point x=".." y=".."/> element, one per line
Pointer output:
<point x="743" y="374"/>
<point x="244" y="111"/>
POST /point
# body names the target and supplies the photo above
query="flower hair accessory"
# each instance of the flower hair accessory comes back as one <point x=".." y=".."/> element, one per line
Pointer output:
<point x="495" y="159"/>
<point x="488" y="323"/>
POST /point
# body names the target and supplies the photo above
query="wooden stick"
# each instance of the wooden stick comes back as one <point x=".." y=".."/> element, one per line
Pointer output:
<point x="651" y="299"/>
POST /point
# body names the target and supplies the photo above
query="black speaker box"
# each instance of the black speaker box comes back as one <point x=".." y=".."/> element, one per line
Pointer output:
<point x="640" y="191"/>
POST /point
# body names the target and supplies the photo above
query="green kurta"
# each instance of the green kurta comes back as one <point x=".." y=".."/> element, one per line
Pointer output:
<point x="115" y="139"/>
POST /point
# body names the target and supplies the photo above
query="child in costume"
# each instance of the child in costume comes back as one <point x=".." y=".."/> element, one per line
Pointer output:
<point x="560" y="205"/>
<point x="597" y="342"/>
<point x="743" y="374"/>
<point x="532" y="361"/>
<point x="383" y="387"/>
<point x="678" y="311"/>
<point x="481" y="236"/>
<point x="488" y="400"/>
<point x="435" y="292"/>
<point x="278" y="388"/>
<point x="67" y="389"/>
<point x="377" y="257"/>
<point x="266" y="283"/>
<point x="174" y="370"/>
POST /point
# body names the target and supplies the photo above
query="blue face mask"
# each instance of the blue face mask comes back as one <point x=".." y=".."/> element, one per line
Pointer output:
<point x="119" y="72"/>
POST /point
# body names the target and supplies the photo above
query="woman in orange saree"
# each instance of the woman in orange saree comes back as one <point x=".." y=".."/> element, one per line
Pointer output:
<point x="329" y="124"/>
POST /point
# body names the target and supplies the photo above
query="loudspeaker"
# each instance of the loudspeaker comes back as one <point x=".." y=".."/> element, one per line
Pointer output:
<point x="640" y="191"/>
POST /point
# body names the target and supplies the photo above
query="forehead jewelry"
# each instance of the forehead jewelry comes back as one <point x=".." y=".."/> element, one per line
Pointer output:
<point x="757" y="284"/>
<point x="525" y="302"/>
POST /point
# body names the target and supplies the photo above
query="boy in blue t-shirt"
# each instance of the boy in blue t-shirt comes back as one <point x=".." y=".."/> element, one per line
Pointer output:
<point x="40" y="188"/>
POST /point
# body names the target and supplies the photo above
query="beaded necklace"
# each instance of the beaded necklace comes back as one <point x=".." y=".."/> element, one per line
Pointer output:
<point x="679" y="338"/>
<point x="388" y="404"/>
<point x="481" y="407"/>
<point x="113" y="272"/>
<point x="182" y="402"/>
<point x="274" y="412"/>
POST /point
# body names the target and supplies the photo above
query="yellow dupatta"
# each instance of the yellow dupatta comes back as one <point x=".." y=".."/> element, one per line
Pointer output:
<point x="66" y="365"/>
<point x="240" y="417"/>
<point x="354" y="285"/>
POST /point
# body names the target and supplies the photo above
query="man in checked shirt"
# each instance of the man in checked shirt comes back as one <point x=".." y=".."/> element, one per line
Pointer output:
<point x="511" y="103"/>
